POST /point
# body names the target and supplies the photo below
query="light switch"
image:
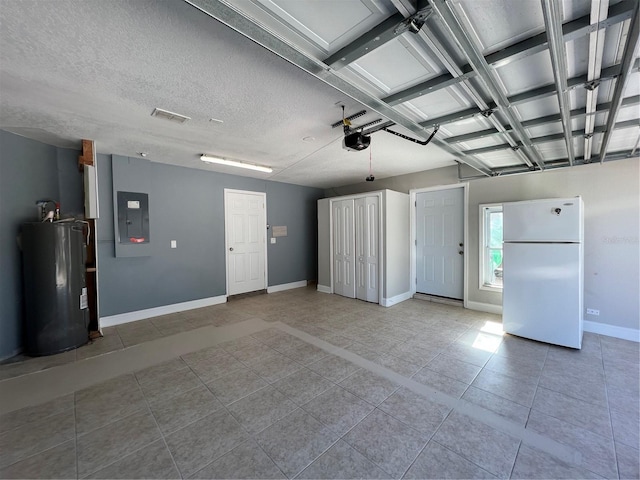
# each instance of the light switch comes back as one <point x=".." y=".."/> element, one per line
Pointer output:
<point x="273" y="240"/>
<point x="174" y="244"/>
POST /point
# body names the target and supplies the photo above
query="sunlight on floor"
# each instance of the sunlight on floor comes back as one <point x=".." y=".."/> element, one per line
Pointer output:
<point x="489" y="337"/>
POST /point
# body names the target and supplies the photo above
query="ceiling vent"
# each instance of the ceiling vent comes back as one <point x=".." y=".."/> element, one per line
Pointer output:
<point x="167" y="115"/>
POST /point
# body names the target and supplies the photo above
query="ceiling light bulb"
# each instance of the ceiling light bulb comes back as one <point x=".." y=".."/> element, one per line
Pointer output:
<point x="233" y="163"/>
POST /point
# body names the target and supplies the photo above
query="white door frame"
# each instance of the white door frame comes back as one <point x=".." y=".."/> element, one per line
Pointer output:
<point x="226" y="245"/>
<point x="414" y="237"/>
<point x="380" y="236"/>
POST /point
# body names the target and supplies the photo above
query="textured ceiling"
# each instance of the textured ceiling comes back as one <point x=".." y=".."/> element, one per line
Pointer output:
<point x="73" y="69"/>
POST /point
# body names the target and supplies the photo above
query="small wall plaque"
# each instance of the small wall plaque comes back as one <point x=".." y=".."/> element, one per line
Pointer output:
<point x="279" y="231"/>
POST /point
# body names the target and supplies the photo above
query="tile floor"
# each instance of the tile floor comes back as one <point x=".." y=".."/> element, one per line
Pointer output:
<point x="330" y="388"/>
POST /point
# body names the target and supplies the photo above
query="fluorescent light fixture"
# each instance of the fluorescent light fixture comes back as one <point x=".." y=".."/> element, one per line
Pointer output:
<point x="233" y="163"/>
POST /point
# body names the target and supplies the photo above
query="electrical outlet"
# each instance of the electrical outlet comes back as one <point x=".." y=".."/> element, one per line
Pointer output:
<point x="593" y="311"/>
<point x="174" y="244"/>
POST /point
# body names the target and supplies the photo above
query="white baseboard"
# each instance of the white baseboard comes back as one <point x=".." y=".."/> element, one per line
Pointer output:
<point x="612" y="331"/>
<point x="121" y="318"/>
<point x="484" y="307"/>
<point x="324" y="289"/>
<point x="286" y="286"/>
<point x="388" y="302"/>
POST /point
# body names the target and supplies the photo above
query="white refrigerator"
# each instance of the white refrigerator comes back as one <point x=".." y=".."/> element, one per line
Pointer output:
<point x="543" y="256"/>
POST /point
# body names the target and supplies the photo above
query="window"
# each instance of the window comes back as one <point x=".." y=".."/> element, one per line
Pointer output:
<point x="491" y="257"/>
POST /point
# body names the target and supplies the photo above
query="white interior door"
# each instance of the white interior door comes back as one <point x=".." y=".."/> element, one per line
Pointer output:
<point x="367" y="248"/>
<point x="246" y="226"/>
<point x="344" y="265"/>
<point x="439" y="245"/>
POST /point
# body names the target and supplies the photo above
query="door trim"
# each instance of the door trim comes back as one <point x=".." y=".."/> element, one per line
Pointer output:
<point x="380" y="234"/>
<point x="226" y="245"/>
<point x="414" y="234"/>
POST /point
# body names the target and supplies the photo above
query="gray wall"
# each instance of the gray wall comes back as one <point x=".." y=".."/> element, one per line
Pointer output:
<point x="611" y="195"/>
<point x="324" y="244"/>
<point x="29" y="171"/>
<point x="187" y="205"/>
<point x="397" y="244"/>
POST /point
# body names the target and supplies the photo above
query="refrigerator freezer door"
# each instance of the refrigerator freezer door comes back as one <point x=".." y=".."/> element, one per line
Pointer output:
<point x="542" y="294"/>
<point x="553" y="220"/>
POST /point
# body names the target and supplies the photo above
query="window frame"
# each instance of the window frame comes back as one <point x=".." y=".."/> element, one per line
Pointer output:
<point x="483" y="268"/>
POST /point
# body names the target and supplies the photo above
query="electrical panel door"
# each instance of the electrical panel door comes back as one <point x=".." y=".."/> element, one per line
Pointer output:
<point x="133" y="217"/>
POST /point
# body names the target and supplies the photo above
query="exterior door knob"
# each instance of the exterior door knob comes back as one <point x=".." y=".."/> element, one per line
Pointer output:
<point x="461" y="252"/>
<point x="231" y="249"/>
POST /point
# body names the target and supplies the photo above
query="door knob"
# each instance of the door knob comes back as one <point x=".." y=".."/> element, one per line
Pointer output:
<point x="461" y="252"/>
<point x="231" y="249"/>
<point x="461" y="244"/>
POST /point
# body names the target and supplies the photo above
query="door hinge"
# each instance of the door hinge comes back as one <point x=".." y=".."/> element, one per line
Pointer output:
<point x="415" y="242"/>
<point x="415" y="203"/>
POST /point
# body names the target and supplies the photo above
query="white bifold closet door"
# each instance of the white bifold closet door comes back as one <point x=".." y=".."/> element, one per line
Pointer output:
<point x="356" y="248"/>
<point x="367" y="249"/>
<point x="344" y="257"/>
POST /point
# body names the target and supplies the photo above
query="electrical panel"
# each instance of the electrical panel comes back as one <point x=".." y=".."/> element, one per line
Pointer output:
<point x="133" y="217"/>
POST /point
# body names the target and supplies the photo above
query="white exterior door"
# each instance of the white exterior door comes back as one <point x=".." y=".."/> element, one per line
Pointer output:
<point x="439" y="243"/>
<point x="344" y="264"/>
<point x="245" y="226"/>
<point x="367" y="249"/>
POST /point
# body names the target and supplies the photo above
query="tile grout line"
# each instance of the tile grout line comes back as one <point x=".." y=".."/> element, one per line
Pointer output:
<point x="548" y="445"/>
<point x="513" y="467"/>
<point x="155" y="420"/>
<point x="535" y="393"/>
<point x="606" y="393"/>
<point x="75" y="436"/>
